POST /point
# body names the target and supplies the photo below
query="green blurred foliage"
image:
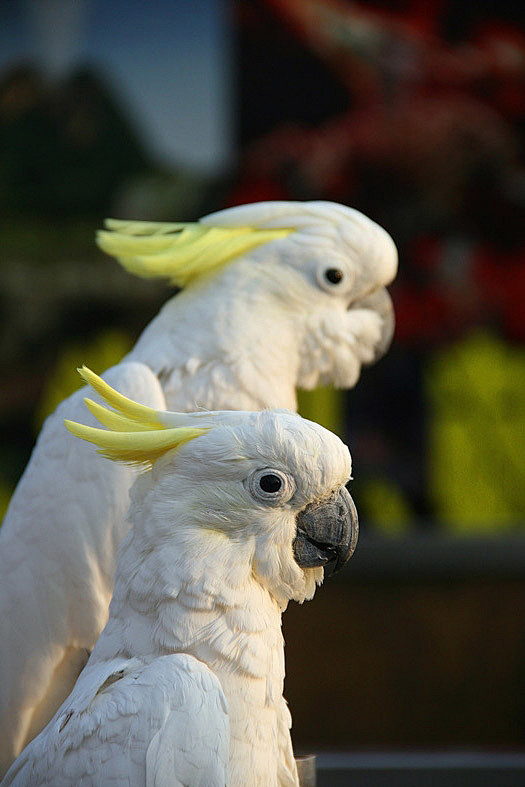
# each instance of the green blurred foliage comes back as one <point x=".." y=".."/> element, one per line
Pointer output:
<point x="477" y="434"/>
<point x="5" y="496"/>
<point x="383" y="504"/>
<point x="104" y="350"/>
<point x="324" y="405"/>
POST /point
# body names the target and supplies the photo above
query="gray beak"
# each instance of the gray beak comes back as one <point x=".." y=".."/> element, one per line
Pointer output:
<point x="380" y="301"/>
<point x="326" y="532"/>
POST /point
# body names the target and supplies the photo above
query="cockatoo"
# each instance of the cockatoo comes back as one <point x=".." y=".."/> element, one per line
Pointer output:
<point x="238" y="515"/>
<point x="275" y="296"/>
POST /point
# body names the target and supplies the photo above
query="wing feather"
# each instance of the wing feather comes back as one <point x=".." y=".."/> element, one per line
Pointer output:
<point x="68" y="568"/>
<point x="160" y="725"/>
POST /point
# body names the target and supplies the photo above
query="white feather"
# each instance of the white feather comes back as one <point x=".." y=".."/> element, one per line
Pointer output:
<point x="178" y="692"/>
<point x="242" y="339"/>
<point x="124" y="723"/>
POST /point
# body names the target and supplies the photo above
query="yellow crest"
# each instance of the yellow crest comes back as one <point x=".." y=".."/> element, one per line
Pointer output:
<point x="135" y="434"/>
<point x="181" y="252"/>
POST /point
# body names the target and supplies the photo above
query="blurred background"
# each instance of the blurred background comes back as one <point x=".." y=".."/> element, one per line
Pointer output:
<point x="413" y="112"/>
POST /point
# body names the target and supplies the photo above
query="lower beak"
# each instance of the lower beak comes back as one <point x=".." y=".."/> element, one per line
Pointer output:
<point x="327" y="532"/>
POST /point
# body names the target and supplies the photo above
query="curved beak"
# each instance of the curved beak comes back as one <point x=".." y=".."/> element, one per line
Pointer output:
<point x="379" y="301"/>
<point x="327" y="532"/>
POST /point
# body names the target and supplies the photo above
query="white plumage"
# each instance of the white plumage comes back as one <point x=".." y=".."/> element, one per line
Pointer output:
<point x="123" y="723"/>
<point x="184" y="685"/>
<point x="242" y="334"/>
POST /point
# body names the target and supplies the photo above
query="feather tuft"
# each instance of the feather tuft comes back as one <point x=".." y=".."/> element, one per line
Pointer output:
<point x="135" y="434"/>
<point x="181" y="252"/>
<point x="130" y="409"/>
<point x="135" y="448"/>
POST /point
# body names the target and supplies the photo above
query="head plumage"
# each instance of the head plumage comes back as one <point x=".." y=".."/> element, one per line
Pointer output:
<point x="185" y="252"/>
<point x="135" y="434"/>
<point x="181" y="252"/>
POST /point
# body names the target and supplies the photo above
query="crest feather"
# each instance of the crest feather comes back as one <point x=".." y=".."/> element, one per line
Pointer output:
<point x="181" y="252"/>
<point x="130" y="409"/>
<point x="115" y="421"/>
<point x="135" y="448"/>
<point x="135" y="434"/>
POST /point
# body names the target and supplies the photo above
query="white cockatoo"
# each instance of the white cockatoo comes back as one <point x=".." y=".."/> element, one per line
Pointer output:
<point x="275" y="296"/>
<point x="237" y="516"/>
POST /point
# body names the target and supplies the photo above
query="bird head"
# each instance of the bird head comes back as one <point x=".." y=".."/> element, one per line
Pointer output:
<point x="262" y="494"/>
<point x="325" y="265"/>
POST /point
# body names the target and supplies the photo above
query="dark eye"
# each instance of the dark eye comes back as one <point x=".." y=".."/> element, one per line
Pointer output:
<point x="334" y="275"/>
<point x="270" y="483"/>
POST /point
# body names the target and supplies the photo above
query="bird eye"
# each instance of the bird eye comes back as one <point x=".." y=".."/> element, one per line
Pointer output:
<point x="270" y="486"/>
<point x="335" y="280"/>
<point x="334" y="275"/>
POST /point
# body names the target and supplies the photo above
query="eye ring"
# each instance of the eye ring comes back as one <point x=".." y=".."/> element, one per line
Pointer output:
<point x="337" y="279"/>
<point x="270" y="486"/>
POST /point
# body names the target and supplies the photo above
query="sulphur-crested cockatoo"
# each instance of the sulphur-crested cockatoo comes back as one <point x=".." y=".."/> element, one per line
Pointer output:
<point x="238" y="515"/>
<point x="274" y="296"/>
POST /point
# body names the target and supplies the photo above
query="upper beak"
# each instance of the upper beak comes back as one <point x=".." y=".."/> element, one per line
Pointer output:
<point x="379" y="300"/>
<point x="327" y="532"/>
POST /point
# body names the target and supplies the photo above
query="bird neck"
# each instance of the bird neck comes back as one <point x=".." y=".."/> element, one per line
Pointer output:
<point x="221" y="344"/>
<point x="194" y="593"/>
<point x="211" y="607"/>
